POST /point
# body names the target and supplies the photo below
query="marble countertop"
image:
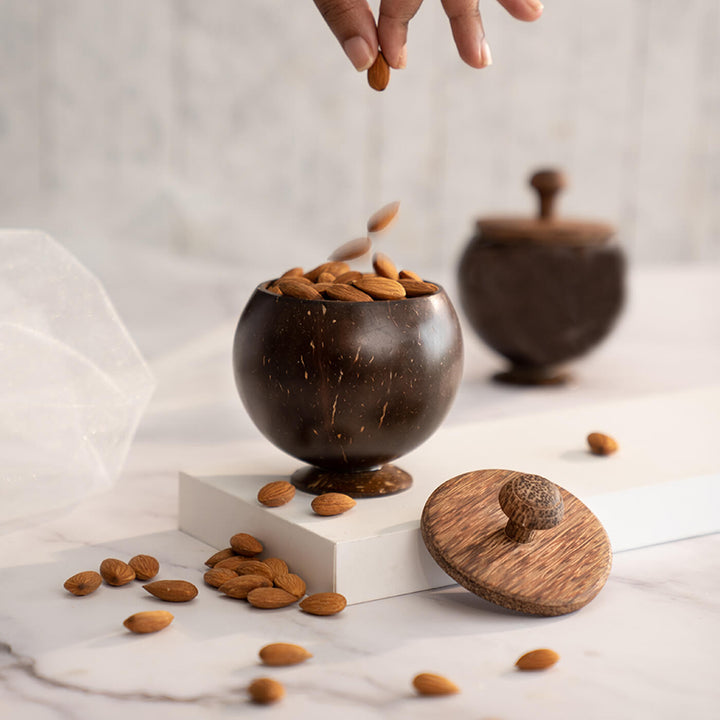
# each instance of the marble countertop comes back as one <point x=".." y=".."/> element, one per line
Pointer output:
<point x="644" y="648"/>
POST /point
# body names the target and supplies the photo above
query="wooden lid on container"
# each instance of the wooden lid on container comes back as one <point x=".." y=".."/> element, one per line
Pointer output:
<point x="517" y="540"/>
<point x="546" y="228"/>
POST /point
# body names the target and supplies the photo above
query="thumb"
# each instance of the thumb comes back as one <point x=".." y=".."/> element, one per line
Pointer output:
<point x="353" y="24"/>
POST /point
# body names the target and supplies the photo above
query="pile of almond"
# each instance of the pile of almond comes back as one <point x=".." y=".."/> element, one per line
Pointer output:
<point x="336" y="280"/>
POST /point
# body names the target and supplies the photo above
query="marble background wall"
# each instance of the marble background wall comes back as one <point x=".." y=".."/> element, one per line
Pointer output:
<point x="236" y="129"/>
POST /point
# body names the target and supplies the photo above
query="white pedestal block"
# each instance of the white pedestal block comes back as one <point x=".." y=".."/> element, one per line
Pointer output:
<point x="663" y="484"/>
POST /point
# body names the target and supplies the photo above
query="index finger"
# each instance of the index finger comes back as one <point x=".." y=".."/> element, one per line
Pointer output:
<point x="353" y="24"/>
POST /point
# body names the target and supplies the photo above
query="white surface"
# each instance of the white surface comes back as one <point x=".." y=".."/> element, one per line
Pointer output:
<point x="646" y="647"/>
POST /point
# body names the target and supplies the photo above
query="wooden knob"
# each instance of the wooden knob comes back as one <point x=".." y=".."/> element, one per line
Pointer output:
<point x="531" y="503"/>
<point x="548" y="183"/>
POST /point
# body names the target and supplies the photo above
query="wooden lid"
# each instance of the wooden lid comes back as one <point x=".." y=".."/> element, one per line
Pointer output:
<point x="517" y="540"/>
<point x="546" y="228"/>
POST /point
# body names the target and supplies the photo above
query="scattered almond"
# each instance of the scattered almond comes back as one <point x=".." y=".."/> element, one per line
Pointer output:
<point x="380" y="288"/>
<point x="537" y="659"/>
<point x="348" y="293"/>
<point x="352" y="249"/>
<point x="232" y="563"/>
<point x="277" y="493"/>
<point x="255" y="567"/>
<point x="270" y="598"/>
<point x="278" y="566"/>
<point x="172" y="590"/>
<point x="601" y="444"/>
<point x="116" y="572"/>
<point x="265" y="691"/>
<point x="332" y="503"/>
<point x="378" y="74"/>
<point x="431" y="684"/>
<point x="215" y="577"/>
<point x="246" y="545"/>
<point x="239" y="586"/>
<point x="384" y="217"/>
<point x="278" y="654"/>
<point x="292" y="583"/>
<point x="323" y="603"/>
<point x="384" y="266"/>
<point x="149" y="621"/>
<point x="145" y="566"/>
<point x="220" y="555"/>
<point x="83" y="583"/>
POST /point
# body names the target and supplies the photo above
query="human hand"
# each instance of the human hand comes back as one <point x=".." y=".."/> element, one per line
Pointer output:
<point x="353" y="24"/>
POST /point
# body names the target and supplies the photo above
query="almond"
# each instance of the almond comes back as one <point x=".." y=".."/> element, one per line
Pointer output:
<point x="215" y="577"/>
<point x="274" y="289"/>
<point x="348" y="293"/>
<point x="278" y="566"/>
<point x="380" y="288"/>
<point x="337" y="267"/>
<point x="277" y="493"/>
<point x="325" y="277"/>
<point x="294" y="287"/>
<point x="431" y="684"/>
<point x="149" y="621"/>
<point x="352" y="249"/>
<point x="409" y="275"/>
<point x="293" y="272"/>
<point x="145" y="566"/>
<point x="416" y="288"/>
<point x="332" y="503"/>
<point x="246" y="545"/>
<point x="323" y="603"/>
<point x="240" y="586"/>
<point x="172" y="590"/>
<point x="116" y="572"/>
<point x="322" y="287"/>
<point x="378" y="74"/>
<point x="213" y="560"/>
<point x="601" y="444"/>
<point x="232" y="563"/>
<point x="348" y="277"/>
<point x="278" y="654"/>
<point x="265" y="691"/>
<point x="537" y="659"/>
<point x="384" y="266"/>
<point x="270" y="598"/>
<point x="254" y="567"/>
<point x="291" y="583"/>
<point x="384" y="217"/>
<point x="83" y="583"/>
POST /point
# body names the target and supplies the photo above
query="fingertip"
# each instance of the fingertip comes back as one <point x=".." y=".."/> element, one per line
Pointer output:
<point x="359" y="52"/>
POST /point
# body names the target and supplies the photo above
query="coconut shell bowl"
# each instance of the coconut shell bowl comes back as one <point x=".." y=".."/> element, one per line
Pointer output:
<point x="347" y="387"/>
<point x="542" y="291"/>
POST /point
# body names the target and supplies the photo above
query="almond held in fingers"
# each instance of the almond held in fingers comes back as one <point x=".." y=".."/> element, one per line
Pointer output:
<point x="246" y="545"/>
<point x="148" y="622"/>
<point x="278" y="566"/>
<point x="265" y="691"/>
<point x="384" y="266"/>
<point x="378" y="74"/>
<point x="83" y="583"/>
<point x="323" y="603"/>
<point x="384" y="217"/>
<point x="172" y="590"/>
<point x="294" y="287"/>
<point x="215" y="577"/>
<point x="417" y="288"/>
<point x="352" y="249"/>
<point x="270" y="598"/>
<point x="280" y="654"/>
<point x="146" y="567"/>
<point x="220" y="555"/>
<point x="540" y="659"/>
<point x="239" y="586"/>
<point x="332" y="503"/>
<point x="601" y="444"/>
<point x="432" y="684"/>
<point x="380" y="288"/>
<point x="292" y="583"/>
<point x="347" y="293"/>
<point x="116" y="572"/>
<point x="277" y="493"/>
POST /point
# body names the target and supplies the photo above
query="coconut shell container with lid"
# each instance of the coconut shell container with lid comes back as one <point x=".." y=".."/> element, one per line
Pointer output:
<point x="543" y="290"/>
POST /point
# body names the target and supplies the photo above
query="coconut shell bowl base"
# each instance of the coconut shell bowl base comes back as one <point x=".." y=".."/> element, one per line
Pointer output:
<point x="386" y="480"/>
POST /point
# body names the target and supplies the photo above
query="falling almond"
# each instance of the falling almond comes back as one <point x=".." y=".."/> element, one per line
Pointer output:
<point x="384" y="217"/>
<point x="352" y="249"/>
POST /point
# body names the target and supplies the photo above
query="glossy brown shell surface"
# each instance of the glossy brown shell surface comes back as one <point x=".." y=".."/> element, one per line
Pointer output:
<point x="346" y="385"/>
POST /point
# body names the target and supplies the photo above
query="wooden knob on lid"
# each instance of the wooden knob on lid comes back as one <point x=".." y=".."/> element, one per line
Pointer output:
<point x="548" y="184"/>
<point x="531" y="503"/>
